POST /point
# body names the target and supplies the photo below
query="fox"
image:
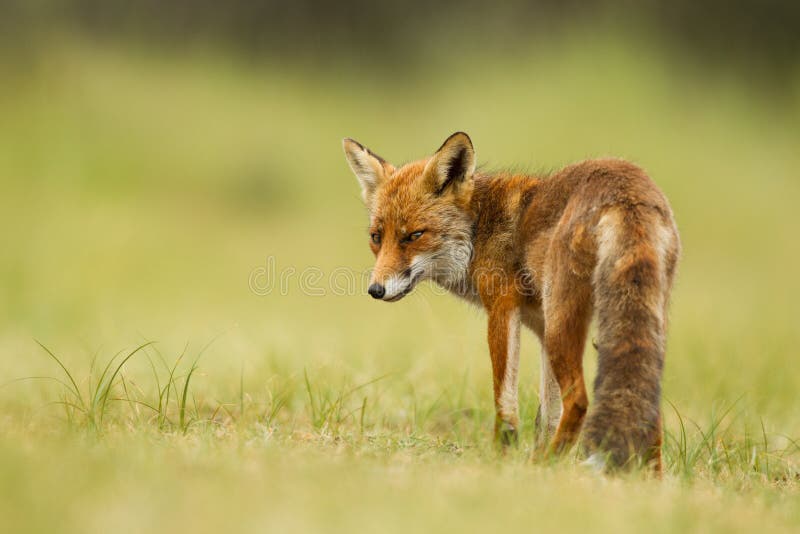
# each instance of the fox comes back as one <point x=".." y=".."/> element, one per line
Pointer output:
<point x="549" y="252"/>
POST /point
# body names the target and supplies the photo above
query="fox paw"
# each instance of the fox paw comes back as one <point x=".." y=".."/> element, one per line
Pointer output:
<point x="507" y="435"/>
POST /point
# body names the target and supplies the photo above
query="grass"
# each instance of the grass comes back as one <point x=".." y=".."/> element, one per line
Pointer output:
<point x="141" y="192"/>
<point x="725" y="447"/>
<point x="314" y="442"/>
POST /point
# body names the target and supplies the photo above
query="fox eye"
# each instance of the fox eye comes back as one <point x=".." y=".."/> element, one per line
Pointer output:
<point x="413" y="236"/>
<point x="376" y="238"/>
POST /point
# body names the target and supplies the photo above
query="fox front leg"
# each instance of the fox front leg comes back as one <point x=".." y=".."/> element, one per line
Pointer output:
<point x="504" y="323"/>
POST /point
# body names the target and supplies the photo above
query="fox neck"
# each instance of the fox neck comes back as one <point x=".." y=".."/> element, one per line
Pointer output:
<point x="455" y="276"/>
<point x="455" y="260"/>
<point x="491" y="223"/>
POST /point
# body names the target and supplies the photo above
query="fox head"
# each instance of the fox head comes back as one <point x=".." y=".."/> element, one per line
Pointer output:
<point x="419" y="214"/>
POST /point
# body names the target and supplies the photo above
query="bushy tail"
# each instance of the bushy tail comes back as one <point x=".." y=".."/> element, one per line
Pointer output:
<point x="637" y="251"/>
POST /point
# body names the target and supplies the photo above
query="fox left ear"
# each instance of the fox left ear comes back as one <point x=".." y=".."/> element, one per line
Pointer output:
<point x="452" y="165"/>
<point x="370" y="169"/>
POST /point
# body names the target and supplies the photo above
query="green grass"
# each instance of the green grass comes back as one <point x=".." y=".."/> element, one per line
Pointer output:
<point x="140" y="191"/>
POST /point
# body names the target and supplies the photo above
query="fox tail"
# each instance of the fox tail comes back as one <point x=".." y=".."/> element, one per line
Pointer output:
<point x="637" y="252"/>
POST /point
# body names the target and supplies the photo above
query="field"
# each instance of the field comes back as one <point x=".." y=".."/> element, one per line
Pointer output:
<point x="146" y="196"/>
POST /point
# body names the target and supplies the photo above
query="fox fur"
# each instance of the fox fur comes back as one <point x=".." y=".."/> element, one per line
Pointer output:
<point x="597" y="238"/>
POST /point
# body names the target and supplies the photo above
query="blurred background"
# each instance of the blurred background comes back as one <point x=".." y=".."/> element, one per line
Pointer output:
<point x="155" y="154"/>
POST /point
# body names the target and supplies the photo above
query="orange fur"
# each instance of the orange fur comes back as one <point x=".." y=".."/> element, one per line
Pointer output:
<point x="550" y="252"/>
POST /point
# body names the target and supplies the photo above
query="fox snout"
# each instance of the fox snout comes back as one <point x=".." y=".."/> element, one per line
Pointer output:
<point x="377" y="291"/>
<point x="393" y="287"/>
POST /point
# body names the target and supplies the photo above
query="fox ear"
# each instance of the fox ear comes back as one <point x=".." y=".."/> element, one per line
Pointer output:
<point x="452" y="165"/>
<point x="370" y="169"/>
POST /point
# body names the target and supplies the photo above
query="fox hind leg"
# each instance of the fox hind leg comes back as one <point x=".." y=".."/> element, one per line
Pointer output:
<point x="549" y="412"/>
<point x="568" y="310"/>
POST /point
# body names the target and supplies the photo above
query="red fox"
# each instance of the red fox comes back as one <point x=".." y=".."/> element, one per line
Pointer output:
<point x="546" y="252"/>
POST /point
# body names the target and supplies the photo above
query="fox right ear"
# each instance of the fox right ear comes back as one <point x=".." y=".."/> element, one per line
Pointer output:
<point x="453" y="165"/>
<point x="370" y="169"/>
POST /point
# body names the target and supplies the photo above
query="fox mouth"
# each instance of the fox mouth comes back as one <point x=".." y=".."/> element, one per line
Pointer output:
<point x="408" y="289"/>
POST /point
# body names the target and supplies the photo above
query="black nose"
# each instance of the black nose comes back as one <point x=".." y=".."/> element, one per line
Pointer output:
<point x="377" y="291"/>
